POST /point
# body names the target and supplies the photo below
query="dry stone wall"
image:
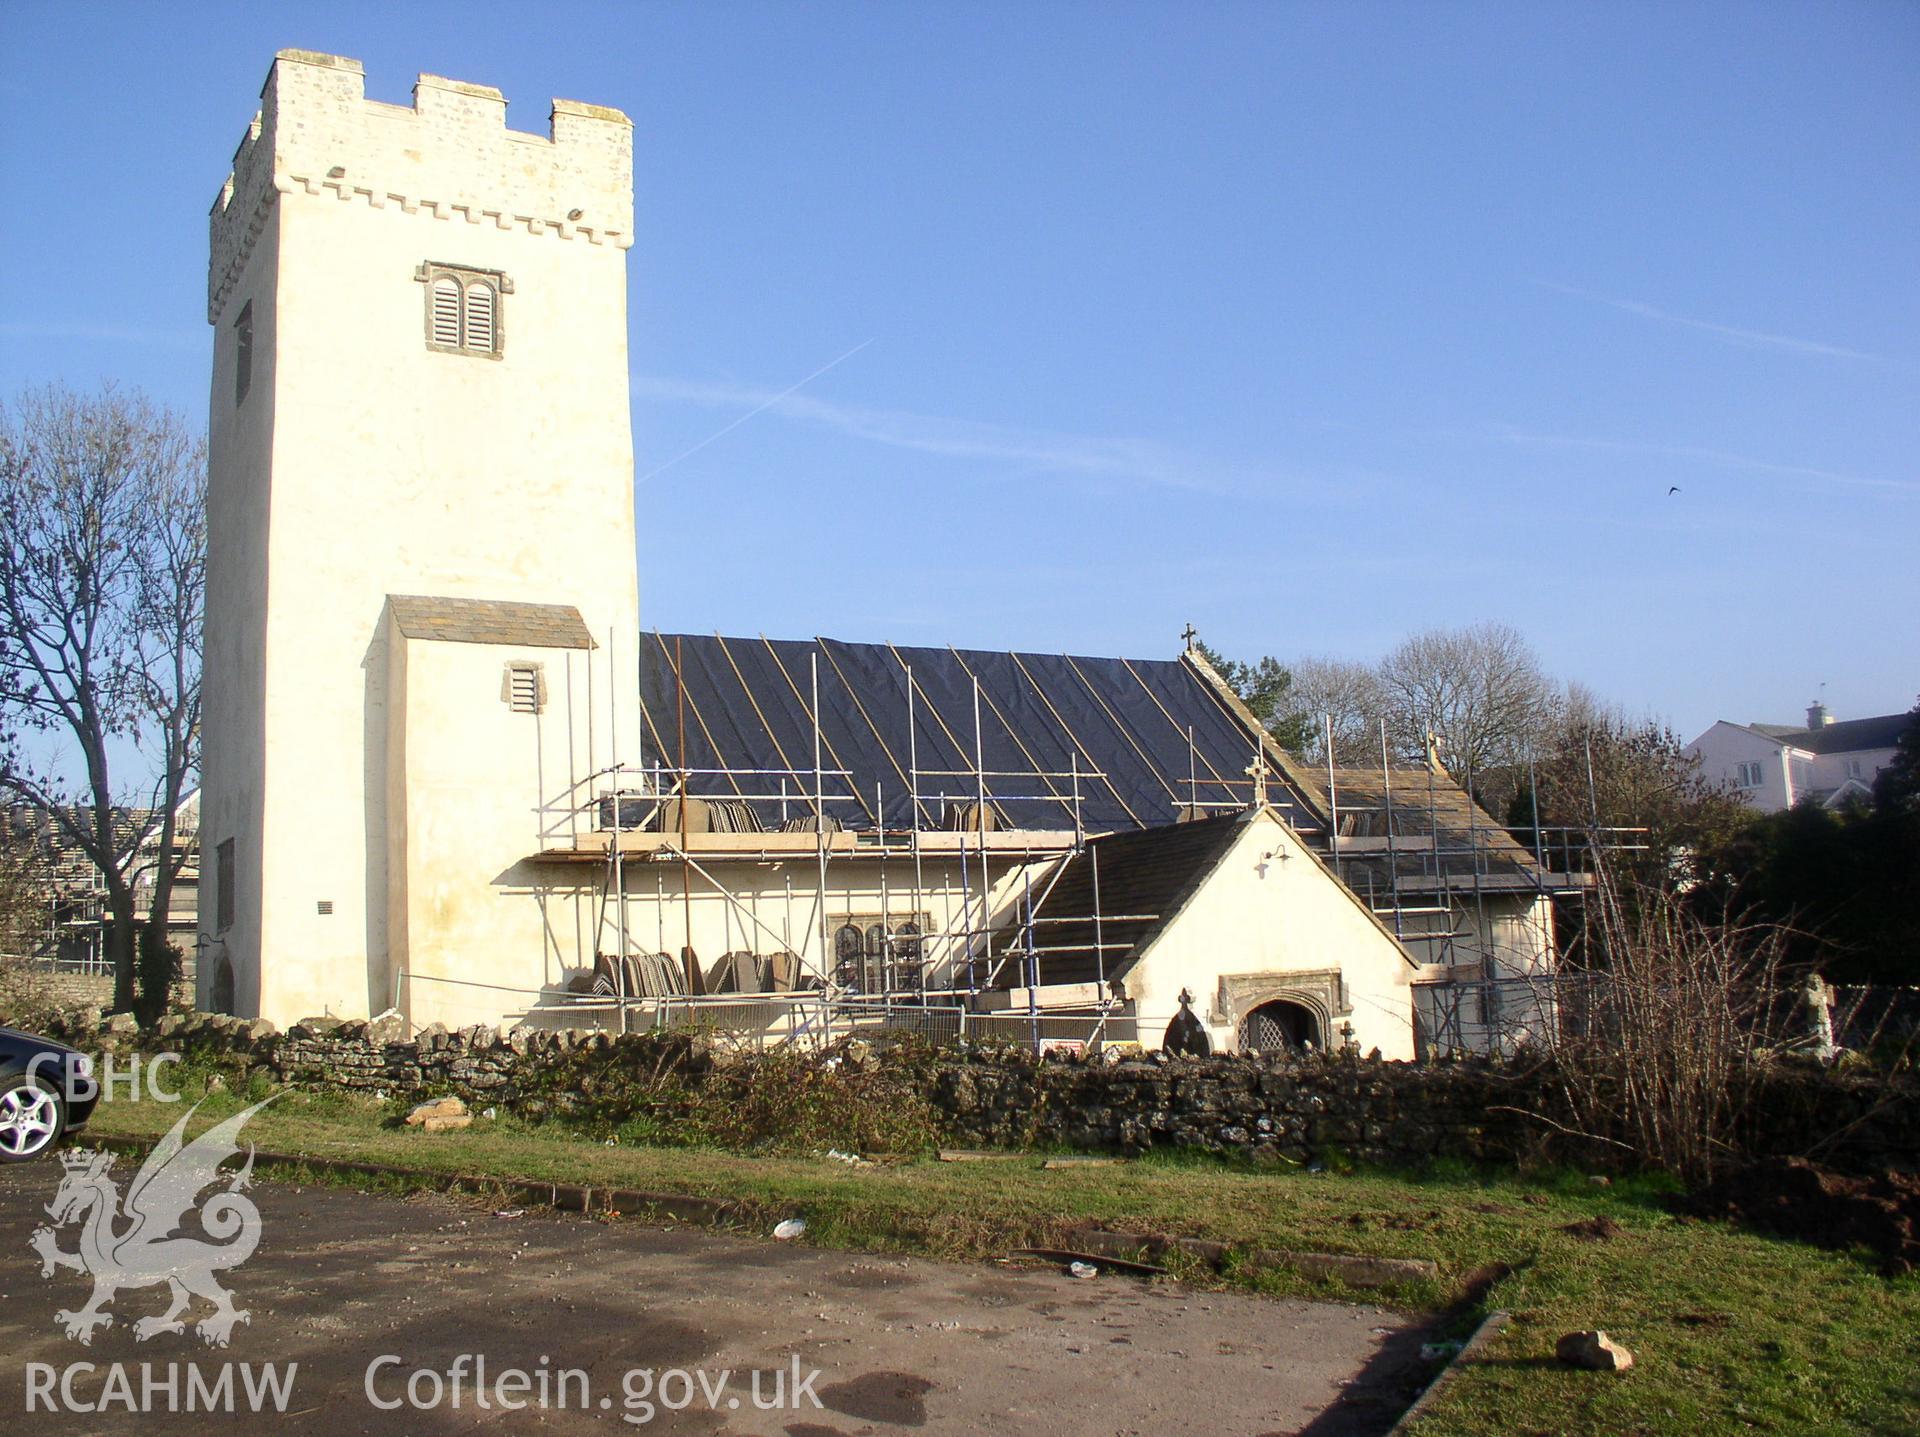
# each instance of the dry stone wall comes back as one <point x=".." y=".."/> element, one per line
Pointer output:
<point x="1265" y="1109"/>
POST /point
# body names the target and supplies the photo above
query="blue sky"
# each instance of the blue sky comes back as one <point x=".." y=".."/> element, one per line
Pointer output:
<point x="1311" y="324"/>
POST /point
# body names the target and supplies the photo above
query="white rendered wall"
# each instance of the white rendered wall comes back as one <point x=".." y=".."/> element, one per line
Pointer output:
<point x="471" y="913"/>
<point x="1725" y="746"/>
<point x="1272" y="908"/>
<point x="388" y="468"/>
<point x="233" y="719"/>
<point x="491" y="933"/>
<point x="1829" y="770"/>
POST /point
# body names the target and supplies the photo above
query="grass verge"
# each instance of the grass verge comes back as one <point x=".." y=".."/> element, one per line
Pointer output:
<point x="1732" y="1331"/>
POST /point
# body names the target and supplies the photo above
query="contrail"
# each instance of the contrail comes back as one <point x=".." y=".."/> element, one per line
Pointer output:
<point x="727" y="429"/>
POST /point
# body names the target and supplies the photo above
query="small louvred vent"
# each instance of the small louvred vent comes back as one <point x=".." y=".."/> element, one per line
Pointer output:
<point x="523" y="689"/>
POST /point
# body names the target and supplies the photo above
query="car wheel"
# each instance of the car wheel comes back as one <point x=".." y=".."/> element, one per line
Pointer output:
<point x="31" y="1118"/>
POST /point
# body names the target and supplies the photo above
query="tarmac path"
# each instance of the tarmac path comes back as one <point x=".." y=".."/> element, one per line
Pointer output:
<point x="381" y="1300"/>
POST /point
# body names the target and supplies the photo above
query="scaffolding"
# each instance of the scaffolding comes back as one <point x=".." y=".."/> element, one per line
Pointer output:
<point x="642" y="813"/>
<point x="1426" y="861"/>
<point x="1447" y="891"/>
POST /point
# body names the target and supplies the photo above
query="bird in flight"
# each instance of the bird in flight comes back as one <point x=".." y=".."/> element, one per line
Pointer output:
<point x="1672" y="489"/>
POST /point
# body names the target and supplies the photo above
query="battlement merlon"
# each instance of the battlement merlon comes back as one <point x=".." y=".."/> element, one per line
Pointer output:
<point x="449" y="155"/>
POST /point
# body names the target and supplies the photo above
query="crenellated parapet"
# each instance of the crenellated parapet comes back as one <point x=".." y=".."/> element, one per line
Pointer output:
<point x="448" y="156"/>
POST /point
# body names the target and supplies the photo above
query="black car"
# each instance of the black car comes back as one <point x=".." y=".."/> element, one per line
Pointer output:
<point x="46" y="1089"/>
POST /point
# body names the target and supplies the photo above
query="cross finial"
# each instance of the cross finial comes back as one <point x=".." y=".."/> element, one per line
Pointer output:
<point x="1258" y="771"/>
<point x="1189" y="634"/>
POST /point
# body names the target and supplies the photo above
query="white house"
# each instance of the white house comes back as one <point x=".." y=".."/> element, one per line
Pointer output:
<point x="1827" y="761"/>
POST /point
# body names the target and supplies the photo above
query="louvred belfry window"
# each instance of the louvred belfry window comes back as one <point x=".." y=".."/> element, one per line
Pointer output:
<point x="477" y="332"/>
<point x="463" y="308"/>
<point x="446" y="312"/>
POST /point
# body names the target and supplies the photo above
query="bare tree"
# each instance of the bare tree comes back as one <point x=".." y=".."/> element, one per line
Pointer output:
<point x="102" y="590"/>
<point x="1662" y="1048"/>
<point x="1341" y="694"/>
<point x="1597" y="770"/>
<point x="1265" y="688"/>
<point x="1479" y="691"/>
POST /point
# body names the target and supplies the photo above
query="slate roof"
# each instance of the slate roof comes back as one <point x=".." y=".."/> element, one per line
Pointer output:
<point x="1845" y="736"/>
<point x="1144" y="878"/>
<point x="32" y="835"/>
<point x="1469" y="841"/>
<point x="34" y="839"/>
<point x="747" y="705"/>
<point x="489" y="621"/>
<point x="1123" y="723"/>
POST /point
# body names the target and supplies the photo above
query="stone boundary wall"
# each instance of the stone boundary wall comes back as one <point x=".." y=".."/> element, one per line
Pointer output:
<point x="74" y="990"/>
<point x="1299" y="1110"/>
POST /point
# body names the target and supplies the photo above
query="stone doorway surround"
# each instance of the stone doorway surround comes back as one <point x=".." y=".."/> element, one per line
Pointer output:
<point x="1319" y="990"/>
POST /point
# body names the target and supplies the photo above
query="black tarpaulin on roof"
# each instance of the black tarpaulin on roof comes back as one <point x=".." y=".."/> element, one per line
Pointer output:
<point x="747" y="704"/>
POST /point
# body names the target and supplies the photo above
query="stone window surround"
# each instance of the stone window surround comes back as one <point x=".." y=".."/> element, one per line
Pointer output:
<point x="430" y="271"/>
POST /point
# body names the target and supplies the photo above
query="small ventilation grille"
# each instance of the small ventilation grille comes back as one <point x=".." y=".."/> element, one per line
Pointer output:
<point x="523" y="688"/>
<point x="324" y="907"/>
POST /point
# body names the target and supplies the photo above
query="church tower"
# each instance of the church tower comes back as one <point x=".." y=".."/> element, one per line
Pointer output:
<point x="420" y="444"/>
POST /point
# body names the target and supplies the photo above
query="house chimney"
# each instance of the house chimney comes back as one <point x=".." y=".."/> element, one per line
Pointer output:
<point x="1818" y="716"/>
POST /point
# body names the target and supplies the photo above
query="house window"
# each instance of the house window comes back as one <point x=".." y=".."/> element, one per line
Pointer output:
<point x="243" y="352"/>
<point x="463" y="308"/>
<point x="523" y="688"/>
<point x="1853" y="768"/>
<point x="223" y="886"/>
<point x="1750" y="776"/>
